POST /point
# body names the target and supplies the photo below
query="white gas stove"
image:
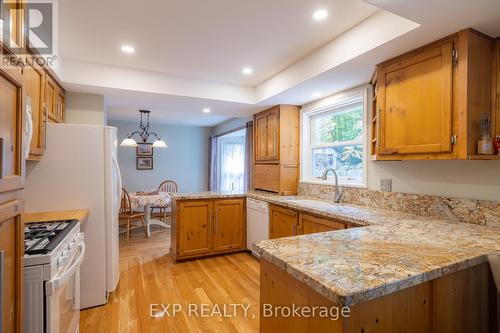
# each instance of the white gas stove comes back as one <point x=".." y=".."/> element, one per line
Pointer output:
<point x="54" y="252"/>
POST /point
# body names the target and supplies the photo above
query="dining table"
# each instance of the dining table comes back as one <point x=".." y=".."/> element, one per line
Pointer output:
<point x="146" y="200"/>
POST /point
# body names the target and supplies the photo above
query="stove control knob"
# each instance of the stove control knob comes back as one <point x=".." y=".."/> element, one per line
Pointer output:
<point x="62" y="261"/>
<point x="71" y="246"/>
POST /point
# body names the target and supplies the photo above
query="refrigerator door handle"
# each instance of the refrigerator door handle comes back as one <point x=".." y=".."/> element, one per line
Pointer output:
<point x="120" y="183"/>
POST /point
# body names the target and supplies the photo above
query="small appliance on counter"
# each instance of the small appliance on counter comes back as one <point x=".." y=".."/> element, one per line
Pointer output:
<point x="54" y="252"/>
<point x="497" y="145"/>
<point x="484" y="144"/>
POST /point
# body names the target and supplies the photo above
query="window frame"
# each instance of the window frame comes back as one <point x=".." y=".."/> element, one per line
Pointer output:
<point x="330" y="105"/>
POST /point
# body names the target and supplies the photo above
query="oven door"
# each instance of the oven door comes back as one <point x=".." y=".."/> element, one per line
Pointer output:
<point x="63" y="296"/>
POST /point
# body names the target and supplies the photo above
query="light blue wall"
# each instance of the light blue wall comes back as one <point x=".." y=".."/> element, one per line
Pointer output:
<point x="185" y="160"/>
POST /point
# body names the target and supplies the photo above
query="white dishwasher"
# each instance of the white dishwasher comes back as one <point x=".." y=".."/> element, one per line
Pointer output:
<point x="257" y="222"/>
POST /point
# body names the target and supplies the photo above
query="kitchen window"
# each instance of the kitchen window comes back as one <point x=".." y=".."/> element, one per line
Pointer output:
<point x="333" y="136"/>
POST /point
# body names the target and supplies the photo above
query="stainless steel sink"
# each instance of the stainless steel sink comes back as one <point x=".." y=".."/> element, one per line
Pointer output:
<point x="310" y="203"/>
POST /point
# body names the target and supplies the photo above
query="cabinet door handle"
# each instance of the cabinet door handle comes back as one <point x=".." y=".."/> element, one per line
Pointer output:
<point x="274" y="143"/>
<point x="2" y="259"/>
<point x="45" y="125"/>
<point x="2" y="17"/>
<point x="2" y="157"/>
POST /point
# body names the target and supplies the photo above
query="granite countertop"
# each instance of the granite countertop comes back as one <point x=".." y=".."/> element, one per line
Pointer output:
<point x="206" y="195"/>
<point x="391" y="251"/>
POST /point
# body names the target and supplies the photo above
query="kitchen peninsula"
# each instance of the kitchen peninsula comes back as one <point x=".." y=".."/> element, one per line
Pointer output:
<point x="429" y="273"/>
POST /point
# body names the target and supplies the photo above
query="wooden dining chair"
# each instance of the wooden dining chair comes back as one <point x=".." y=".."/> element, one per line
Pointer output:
<point x="166" y="186"/>
<point x="128" y="215"/>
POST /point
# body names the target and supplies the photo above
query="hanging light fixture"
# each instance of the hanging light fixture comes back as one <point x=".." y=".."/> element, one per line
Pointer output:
<point x="143" y="134"/>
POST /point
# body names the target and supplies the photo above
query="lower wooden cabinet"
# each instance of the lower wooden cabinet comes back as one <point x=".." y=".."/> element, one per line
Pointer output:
<point x="310" y="224"/>
<point x="229" y="225"/>
<point x="194" y="228"/>
<point x="11" y="265"/>
<point x="283" y="222"/>
<point x="205" y="227"/>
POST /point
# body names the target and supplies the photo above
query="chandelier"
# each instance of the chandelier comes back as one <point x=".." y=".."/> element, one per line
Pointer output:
<point x="144" y="133"/>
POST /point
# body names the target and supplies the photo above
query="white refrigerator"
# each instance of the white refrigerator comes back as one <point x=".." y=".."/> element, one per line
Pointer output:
<point x="79" y="170"/>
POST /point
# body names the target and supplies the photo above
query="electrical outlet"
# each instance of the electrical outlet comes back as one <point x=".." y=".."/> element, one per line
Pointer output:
<point x="386" y="185"/>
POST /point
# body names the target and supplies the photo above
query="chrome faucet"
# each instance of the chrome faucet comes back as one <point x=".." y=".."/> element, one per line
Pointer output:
<point x="339" y="191"/>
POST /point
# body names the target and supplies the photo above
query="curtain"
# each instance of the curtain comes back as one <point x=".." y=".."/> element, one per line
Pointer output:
<point x="248" y="156"/>
<point x="232" y="168"/>
<point x="212" y="170"/>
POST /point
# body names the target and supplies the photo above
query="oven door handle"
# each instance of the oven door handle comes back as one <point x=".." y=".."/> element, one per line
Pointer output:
<point x="52" y="285"/>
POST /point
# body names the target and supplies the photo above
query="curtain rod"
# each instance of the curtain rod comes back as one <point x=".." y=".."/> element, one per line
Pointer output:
<point x="248" y="124"/>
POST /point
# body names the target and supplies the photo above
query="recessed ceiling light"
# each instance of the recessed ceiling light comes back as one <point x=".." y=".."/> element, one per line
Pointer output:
<point x="247" y="71"/>
<point x="128" y="49"/>
<point x="320" y="14"/>
<point x="316" y="94"/>
<point x="206" y="110"/>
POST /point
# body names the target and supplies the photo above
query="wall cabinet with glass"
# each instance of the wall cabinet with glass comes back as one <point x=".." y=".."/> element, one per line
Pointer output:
<point x="276" y="149"/>
<point x="429" y="103"/>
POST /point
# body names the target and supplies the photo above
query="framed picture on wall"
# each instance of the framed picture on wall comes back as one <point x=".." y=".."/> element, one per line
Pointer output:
<point x="144" y="149"/>
<point x="144" y="163"/>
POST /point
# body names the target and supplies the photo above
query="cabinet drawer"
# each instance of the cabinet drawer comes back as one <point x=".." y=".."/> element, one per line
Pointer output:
<point x="267" y="177"/>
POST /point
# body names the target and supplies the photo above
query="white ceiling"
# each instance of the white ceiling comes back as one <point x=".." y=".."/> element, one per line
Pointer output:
<point x="190" y="53"/>
<point x="209" y="40"/>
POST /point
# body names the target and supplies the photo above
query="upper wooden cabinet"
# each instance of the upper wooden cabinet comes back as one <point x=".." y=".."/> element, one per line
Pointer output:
<point x="428" y="103"/>
<point x="54" y="100"/>
<point x="276" y="149"/>
<point x="206" y="227"/>
<point x="12" y="128"/>
<point x="266" y="136"/>
<point x="34" y="89"/>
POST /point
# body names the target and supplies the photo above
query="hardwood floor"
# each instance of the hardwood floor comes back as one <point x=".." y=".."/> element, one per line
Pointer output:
<point x="149" y="276"/>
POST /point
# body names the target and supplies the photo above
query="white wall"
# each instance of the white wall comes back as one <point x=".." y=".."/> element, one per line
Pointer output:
<point x="184" y="161"/>
<point x="84" y="108"/>
<point x="465" y="179"/>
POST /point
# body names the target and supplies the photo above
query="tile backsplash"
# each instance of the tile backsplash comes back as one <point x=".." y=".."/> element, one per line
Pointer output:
<point x="456" y="209"/>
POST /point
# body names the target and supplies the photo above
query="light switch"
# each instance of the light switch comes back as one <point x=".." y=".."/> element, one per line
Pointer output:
<point x="386" y="185"/>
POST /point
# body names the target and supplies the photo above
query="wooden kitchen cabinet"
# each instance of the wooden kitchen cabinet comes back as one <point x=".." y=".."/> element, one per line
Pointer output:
<point x="310" y="224"/>
<point x="283" y="222"/>
<point x="11" y="265"/>
<point x="195" y="234"/>
<point x="428" y="103"/>
<point x="54" y="99"/>
<point x="207" y="226"/>
<point x="496" y="86"/>
<point x="276" y="149"/>
<point x="50" y="93"/>
<point x="34" y="90"/>
<point x="11" y="130"/>
<point x="229" y="232"/>
<point x="12" y="141"/>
